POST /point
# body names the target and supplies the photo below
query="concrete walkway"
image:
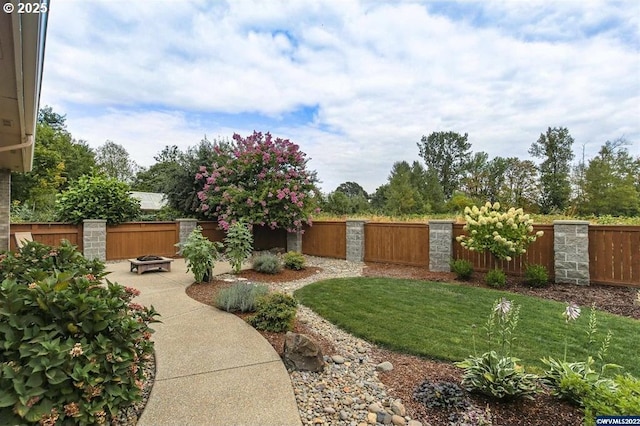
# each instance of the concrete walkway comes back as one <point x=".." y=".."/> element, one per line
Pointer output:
<point x="211" y="367"/>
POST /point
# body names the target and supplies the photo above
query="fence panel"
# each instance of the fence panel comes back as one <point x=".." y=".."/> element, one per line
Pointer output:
<point x="398" y="243"/>
<point x="133" y="239"/>
<point x="614" y="254"/>
<point x="48" y="233"/>
<point x="539" y="253"/>
<point x="211" y="231"/>
<point x="326" y="239"/>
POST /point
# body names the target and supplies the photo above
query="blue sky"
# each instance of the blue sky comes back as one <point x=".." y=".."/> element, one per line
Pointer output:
<point x="355" y="83"/>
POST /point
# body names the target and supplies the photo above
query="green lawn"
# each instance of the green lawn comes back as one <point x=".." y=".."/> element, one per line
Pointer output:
<point x="435" y="320"/>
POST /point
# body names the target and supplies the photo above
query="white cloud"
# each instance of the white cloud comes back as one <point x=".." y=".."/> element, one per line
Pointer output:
<point x="381" y="74"/>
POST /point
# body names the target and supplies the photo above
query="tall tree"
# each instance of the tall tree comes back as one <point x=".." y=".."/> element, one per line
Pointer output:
<point x="521" y="188"/>
<point x="160" y="176"/>
<point x="352" y="190"/>
<point x="611" y="182"/>
<point x="555" y="149"/>
<point x="447" y="154"/>
<point x="114" y="161"/>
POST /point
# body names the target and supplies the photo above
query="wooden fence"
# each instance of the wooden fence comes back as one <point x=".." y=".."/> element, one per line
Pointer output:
<point x="539" y="253"/>
<point x="48" y="233"/>
<point x="326" y="239"/>
<point x="133" y="239"/>
<point x="614" y="254"/>
<point x="399" y="243"/>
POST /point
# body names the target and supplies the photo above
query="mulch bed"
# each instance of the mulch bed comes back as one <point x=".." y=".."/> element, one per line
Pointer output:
<point x="410" y="371"/>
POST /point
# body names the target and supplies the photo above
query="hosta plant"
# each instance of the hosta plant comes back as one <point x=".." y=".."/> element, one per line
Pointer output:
<point x="71" y="349"/>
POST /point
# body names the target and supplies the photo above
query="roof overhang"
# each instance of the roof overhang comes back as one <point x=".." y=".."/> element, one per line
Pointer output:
<point x="22" y="44"/>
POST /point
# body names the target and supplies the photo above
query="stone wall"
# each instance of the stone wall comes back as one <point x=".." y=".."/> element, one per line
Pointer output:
<point x="440" y="245"/>
<point x="571" y="247"/>
<point x="94" y="239"/>
<point x="355" y="240"/>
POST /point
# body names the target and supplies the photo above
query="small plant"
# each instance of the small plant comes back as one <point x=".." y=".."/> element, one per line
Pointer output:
<point x="619" y="396"/>
<point x="238" y="244"/>
<point x="446" y="395"/>
<point x="536" y="275"/>
<point x="275" y="312"/>
<point x="294" y="260"/>
<point x="241" y="297"/>
<point x="200" y="253"/>
<point x="495" y="278"/>
<point x="499" y="377"/>
<point x="462" y="268"/>
<point x="474" y="416"/>
<point x="267" y="263"/>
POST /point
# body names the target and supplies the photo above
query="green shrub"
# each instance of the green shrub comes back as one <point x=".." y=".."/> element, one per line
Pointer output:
<point x="462" y="268"/>
<point x="498" y="377"/>
<point x="267" y="263"/>
<point x="240" y="297"/>
<point x="72" y="349"/>
<point x="495" y="278"/>
<point x="97" y="197"/>
<point x="238" y="244"/>
<point x="536" y="275"/>
<point x="35" y="261"/>
<point x="294" y="260"/>
<point x="200" y="254"/>
<point x="621" y="396"/>
<point x="275" y="312"/>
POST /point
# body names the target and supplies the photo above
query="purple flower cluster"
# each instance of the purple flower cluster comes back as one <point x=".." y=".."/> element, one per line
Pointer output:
<point x="261" y="180"/>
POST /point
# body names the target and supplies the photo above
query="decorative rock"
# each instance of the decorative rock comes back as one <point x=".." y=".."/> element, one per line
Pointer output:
<point x="337" y="359"/>
<point x="302" y="353"/>
<point x="384" y="418"/>
<point x="375" y="408"/>
<point x="414" y="423"/>
<point x="344" y="415"/>
<point x="372" y="418"/>
<point x="397" y="420"/>
<point x="384" y="366"/>
<point x="329" y="410"/>
<point x="398" y="408"/>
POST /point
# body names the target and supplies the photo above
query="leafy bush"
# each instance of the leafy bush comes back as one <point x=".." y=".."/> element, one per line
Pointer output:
<point x="200" y="254"/>
<point x="294" y="260"/>
<point x="620" y="396"/>
<point x="495" y="278"/>
<point x="35" y="261"/>
<point x="446" y="395"/>
<point x="267" y="263"/>
<point x="275" y="312"/>
<point x="238" y="244"/>
<point x="462" y="268"/>
<point x="498" y="377"/>
<point x="240" y="297"/>
<point x="570" y="380"/>
<point x="536" y="275"/>
<point x="72" y="349"/>
<point x="97" y="197"/>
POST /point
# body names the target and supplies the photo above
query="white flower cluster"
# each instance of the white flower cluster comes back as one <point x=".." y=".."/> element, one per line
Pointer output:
<point x="504" y="234"/>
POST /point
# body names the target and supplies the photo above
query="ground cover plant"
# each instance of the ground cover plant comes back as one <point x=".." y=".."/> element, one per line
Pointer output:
<point x="439" y="321"/>
<point x="72" y="347"/>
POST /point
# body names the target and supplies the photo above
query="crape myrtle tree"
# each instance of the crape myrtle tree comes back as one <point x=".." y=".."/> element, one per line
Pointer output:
<point x="264" y="181"/>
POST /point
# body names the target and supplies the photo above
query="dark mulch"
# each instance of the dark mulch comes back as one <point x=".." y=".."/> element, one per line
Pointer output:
<point x="410" y="371"/>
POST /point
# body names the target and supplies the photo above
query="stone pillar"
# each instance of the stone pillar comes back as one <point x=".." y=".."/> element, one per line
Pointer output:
<point x="571" y="248"/>
<point x="5" y="209"/>
<point x="294" y="241"/>
<point x="355" y="240"/>
<point x="440" y="245"/>
<point x="185" y="227"/>
<point x="94" y="239"/>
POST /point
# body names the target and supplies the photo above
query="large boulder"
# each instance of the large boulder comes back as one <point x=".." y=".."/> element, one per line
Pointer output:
<point x="302" y="353"/>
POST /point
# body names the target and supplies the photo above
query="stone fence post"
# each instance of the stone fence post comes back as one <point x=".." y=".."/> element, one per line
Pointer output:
<point x="355" y="240"/>
<point x="5" y="209"/>
<point x="294" y="241"/>
<point x="94" y="239"/>
<point x="440" y="245"/>
<point x="571" y="247"/>
<point x="185" y="227"/>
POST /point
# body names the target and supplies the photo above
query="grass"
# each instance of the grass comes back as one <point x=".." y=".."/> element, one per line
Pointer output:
<point x="437" y="320"/>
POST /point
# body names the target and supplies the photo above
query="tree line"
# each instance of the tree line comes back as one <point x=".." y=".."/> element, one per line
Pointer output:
<point x="452" y="177"/>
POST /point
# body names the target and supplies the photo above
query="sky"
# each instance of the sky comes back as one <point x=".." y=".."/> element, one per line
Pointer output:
<point x="355" y="83"/>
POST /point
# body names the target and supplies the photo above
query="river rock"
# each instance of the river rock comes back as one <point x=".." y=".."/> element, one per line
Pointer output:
<point x="384" y="366"/>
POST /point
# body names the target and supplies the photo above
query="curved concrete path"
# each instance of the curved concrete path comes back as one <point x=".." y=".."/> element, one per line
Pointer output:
<point x="211" y="367"/>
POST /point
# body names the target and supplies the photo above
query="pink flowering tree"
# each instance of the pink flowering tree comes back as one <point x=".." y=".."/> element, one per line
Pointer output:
<point x="262" y="181"/>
